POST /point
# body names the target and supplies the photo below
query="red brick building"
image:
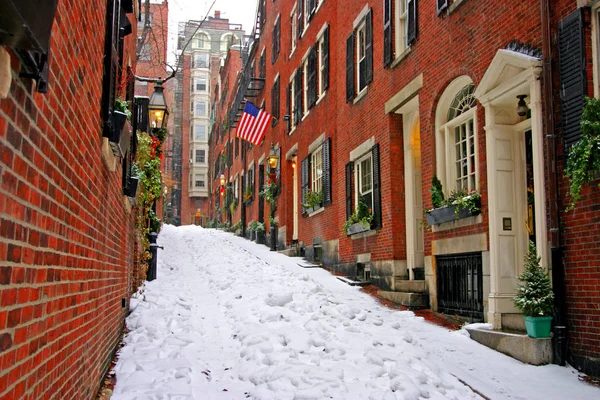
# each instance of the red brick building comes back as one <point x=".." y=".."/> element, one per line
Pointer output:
<point x="66" y="225"/>
<point x="374" y="100"/>
<point x="204" y="45"/>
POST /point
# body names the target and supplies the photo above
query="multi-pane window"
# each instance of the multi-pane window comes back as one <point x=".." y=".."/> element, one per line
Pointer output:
<point x="401" y="30"/>
<point x="364" y="180"/>
<point x="200" y="156"/>
<point x="199" y="181"/>
<point x="200" y="60"/>
<point x="192" y="106"/>
<point x="464" y="142"/>
<point x="316" y="164"/>
<point x="199" y="132"/>
<point x="361" y="56"/>
<point x="200" y="110"/>
<point x="323" y="54"/>
<point x="294" y="28"/>
<point x="201" y="41"/>
<point x="460" y="138"/>
<point x="201" y="84"/>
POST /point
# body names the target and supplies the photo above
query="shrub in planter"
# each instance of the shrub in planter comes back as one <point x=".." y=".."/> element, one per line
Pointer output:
<point x="360" y="220"/>
<point x="260" y="232"/>
<point x="460" y="204"/>
<point x="314" y="200"/>
<point x="534" y="296"/>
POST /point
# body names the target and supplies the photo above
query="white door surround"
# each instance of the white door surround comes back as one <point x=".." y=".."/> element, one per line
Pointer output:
<point x="413" y="185"/>
<point x="511" y="74"/>
<point x="295" y="198"/>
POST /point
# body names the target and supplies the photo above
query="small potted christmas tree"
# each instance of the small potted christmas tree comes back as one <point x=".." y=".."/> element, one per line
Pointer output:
<point x="534" y="296"/>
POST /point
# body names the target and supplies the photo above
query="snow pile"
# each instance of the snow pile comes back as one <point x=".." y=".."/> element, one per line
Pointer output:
<point x="227" y="319"/>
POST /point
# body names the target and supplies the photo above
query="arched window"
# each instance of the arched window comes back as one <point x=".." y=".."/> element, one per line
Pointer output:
<point x="456" y="139"/>
<point x="228" y="40"/>
<point x="201" y="41"/>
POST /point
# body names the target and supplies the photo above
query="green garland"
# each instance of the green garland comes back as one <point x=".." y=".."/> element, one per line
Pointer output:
<point x="147" y="169"/>
<point x="583" y="162"/>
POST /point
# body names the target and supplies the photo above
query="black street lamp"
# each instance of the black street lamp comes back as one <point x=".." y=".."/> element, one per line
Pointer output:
<point x="158" y="112"/>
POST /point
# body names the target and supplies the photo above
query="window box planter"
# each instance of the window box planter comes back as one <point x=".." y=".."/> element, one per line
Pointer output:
<point x="358" y="228"/>
<point x="120" y="133"/>
<point x="248" y="201"/>
<point x="312" y="209"/>
<point x="446" y="214"/>
<point x="260" y="238"/>
<point x="132" y="186"/>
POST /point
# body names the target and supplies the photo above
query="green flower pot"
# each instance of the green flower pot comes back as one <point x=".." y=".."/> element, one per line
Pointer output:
<point x="538" y="327"/>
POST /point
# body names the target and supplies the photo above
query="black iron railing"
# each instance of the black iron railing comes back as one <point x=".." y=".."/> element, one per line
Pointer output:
<point x="460" y="285"/>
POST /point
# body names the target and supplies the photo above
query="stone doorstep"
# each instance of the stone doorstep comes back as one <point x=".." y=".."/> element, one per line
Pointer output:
<point x="291" y="252"/>
<point x="407" y="299"/>
<point x="522" y="347"/>
<point x="403" y="285"/>
<point x="352" y="282"/>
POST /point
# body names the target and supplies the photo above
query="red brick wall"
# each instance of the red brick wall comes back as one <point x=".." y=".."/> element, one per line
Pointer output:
<point x="580" y="236"/>
<point x="65" y="239"/>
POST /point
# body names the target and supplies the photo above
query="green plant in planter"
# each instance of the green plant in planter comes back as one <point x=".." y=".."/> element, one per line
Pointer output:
<point x="233" y="206"/>
<point x="464" y="200"/>
<point x="260" y="227"/>
<point x="313" y="199"/>
<point x="248" y="193"/>
<point x="123" y="106"/>
<point x="583" y="162"/>
<point x="534" y="296"/>
<point x="361" y="214"/>
<point x="437" y="194"/>
<point x="251" y="226"/>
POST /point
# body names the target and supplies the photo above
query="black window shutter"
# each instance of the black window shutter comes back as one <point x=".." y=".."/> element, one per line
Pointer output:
<point x="288" y="106"/>
<point x="326" y="59"/>
<point x="412" y="22"/>
<point x="350" y="68"/>
<point x="571" y="52"/>
<point x="349" y="192"/>
<point x="278" y="37"/>
<point x="312" y="6"/>
<point x="376" y="187"/>
<point x="305" y="180"/>
<point x="387" y="32"/>
<point x="369" y="47"/>
<point x="111" y="63"/>
<point x="253" y="179"/>
<point x="312" y="77"/>
<point x="300" y="18"/>
<point x="298" y="96"/>
<point x="275" y="102"/>
<point x="327" y="172"/>
<point x="273" y="45"/>
<point x="441" y="6"/>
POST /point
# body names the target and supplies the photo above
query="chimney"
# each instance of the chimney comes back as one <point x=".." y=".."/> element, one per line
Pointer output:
<point x="217" y="14"/>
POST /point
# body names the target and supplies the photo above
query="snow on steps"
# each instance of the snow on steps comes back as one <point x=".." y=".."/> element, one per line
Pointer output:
<point x="407" y="299"/>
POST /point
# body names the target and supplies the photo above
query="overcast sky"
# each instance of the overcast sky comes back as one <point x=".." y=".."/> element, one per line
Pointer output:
<point x="238" y="11"/>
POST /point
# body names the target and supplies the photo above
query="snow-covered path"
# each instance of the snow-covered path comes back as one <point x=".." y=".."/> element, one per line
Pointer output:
<point x="227" y="319"/>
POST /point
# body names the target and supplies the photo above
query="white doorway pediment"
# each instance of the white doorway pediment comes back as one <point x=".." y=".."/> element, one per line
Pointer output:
<point x="508" y="69"/>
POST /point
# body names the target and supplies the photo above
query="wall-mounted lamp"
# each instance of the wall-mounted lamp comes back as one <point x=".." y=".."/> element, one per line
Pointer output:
<point x="222" y="180"/>
<point x="273" y="159"/>
<point x="522" y="108"/>
<point x="158" y="112"/>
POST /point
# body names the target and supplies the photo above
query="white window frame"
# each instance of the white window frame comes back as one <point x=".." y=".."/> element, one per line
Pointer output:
<point x="294" y="28"/>
<point x="320" y="67"/>
<point x="292" y="101"/>
<point x="316" y="170"/>
<point x="358" y="179"/>
<point x="236" y="188"/>
<point x="200" y="153"/>
<point x="199" y="181"/>
<point x="361" y="29"/>
<point x="596" y="48"/>
<point x="195" y="132"/>
<point x="401" y="26"/>
<point x="305" y="85"/>
<point x="199" y="106"/>
<point x="448" y="132"/>
<point x="197" y="82"/>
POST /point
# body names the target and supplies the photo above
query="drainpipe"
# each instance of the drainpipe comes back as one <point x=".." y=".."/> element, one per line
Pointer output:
<point x="558" y="280"/>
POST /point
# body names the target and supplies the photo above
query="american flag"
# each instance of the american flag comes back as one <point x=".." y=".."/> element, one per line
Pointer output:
<point x="253" y="125"/>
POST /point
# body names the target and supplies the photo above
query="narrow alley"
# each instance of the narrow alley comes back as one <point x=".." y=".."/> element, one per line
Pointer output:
<point x="227" y="319"/>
